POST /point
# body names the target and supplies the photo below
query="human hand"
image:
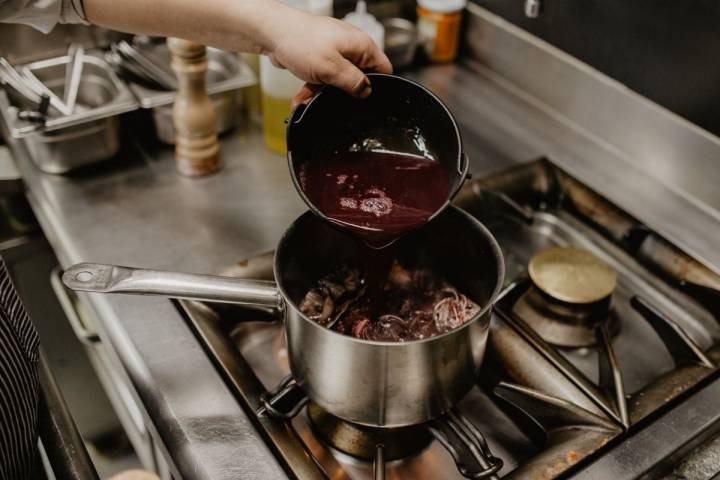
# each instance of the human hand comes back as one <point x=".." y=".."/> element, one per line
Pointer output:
<point x="323" y="50"/>
<point x="319" y="50"/>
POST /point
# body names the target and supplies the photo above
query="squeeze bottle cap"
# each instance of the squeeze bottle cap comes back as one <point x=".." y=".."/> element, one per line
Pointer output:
<point x="367" y="23"/>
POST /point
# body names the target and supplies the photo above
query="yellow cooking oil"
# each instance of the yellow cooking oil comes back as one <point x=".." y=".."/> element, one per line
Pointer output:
<point x="275" y="112"/>
<point x="278" y="86"/>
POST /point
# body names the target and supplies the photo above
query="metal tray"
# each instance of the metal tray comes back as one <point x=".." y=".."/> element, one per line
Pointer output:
<point x="112" y="97"/>
<point x="226" y="72"/>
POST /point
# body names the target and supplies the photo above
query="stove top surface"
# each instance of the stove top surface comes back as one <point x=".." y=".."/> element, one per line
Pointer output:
<point x="564" y="381"/>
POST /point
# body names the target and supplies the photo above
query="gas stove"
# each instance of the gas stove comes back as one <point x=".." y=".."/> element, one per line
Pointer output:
<point x="603" y="325"/>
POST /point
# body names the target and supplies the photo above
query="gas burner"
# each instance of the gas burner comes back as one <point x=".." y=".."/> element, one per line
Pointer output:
<point x="573" y="276"/>
<point x="570" y="296"/>
<point x="541" y="410"/>
<point x="362" y="442"/>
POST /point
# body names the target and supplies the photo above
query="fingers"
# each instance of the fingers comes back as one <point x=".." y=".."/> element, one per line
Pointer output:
<point x="346" y="76"/>
<point x="341" y="64"/>
<point x="378" y="62"/>
<point x="306" y="93"/>
<point x="275" y="62"/>
<point x="367" y="55"/>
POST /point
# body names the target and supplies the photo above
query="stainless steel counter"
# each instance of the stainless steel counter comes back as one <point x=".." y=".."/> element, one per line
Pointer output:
<point x="141" y="213"/>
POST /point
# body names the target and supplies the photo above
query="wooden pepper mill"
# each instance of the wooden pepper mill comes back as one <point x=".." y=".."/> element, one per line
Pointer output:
<point x="197" y="150"/>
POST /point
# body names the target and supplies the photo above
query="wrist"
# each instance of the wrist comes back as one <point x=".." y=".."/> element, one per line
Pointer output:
<point x="275" y="19"/>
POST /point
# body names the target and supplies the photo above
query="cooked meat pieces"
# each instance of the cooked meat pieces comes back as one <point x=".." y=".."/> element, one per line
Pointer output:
<point x="416" y="304"/>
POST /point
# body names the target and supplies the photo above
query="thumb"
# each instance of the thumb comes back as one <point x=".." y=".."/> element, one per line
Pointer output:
<point x="349" y="78"/>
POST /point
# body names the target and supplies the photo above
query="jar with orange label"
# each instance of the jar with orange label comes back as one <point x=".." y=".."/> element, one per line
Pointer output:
<point x="439" y="25"/>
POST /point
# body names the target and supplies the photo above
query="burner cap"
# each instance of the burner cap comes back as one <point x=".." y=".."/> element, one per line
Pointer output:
<point x="361" y="441"/>
<point x="571" y="275"/>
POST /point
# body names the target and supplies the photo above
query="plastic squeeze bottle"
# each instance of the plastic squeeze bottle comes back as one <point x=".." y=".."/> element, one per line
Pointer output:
<point x="367" y="23"/>
<point x="280" y="86"/>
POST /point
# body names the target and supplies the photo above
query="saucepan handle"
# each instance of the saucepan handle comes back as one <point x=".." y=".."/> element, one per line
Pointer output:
<point x="463" y="165"/>
<point x="463" y="168"/>
<point x="94" y="277"/>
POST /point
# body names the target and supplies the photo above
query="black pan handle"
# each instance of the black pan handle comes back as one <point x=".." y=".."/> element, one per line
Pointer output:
<point x="463" y="166"/>
<point x="299" y="112"/>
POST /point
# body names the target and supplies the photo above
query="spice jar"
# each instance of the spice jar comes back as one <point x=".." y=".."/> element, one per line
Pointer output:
<point x="439" y="25"/>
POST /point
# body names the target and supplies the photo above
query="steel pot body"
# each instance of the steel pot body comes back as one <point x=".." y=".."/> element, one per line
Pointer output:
<point x="385" y="385"/>
<point x="372" y="383"/>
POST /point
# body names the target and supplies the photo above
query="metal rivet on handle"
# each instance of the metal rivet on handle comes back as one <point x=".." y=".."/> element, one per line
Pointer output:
<point x="84" y="276"/>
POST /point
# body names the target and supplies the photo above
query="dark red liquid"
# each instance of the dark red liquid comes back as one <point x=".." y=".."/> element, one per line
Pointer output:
<point x="377" y="196"/>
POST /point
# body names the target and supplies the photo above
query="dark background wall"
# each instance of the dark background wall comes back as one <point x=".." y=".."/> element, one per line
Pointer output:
<point x="666" y="50"/>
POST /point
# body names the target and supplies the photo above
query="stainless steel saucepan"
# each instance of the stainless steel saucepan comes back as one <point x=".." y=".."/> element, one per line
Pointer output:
<point x="379" y="384"/>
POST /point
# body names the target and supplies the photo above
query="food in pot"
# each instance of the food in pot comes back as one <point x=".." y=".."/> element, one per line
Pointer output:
<point x="415" y="304"/>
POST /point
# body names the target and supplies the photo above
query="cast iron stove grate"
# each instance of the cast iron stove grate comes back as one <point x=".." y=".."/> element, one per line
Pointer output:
<point x="544" y="410"/>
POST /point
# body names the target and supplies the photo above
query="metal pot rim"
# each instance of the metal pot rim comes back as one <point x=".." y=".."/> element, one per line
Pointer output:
<point x="500" y="275"/>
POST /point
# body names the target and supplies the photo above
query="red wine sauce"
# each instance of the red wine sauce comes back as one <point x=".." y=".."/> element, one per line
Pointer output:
<point x="377" y="196"/>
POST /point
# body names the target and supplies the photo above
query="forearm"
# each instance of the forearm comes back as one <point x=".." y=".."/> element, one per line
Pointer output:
<point x="239" y="25"/>
<point x="319" y="50"/>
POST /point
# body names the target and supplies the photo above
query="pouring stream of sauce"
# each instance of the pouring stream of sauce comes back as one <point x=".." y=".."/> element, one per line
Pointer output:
<point x="378" y="196"/>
